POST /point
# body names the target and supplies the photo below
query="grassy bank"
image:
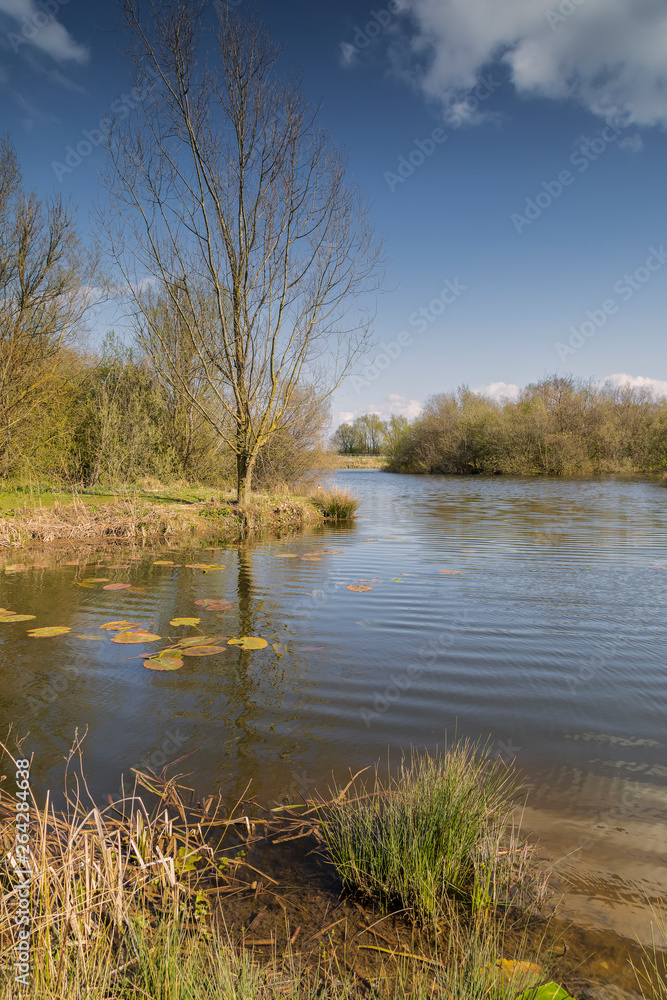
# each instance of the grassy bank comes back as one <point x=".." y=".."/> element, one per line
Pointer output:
<point x="359" y="461"/>
<point x="164" y="895"/>
<point x="43" y="514"/>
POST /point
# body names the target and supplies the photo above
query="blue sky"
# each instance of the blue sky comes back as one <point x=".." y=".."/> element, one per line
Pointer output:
<point x="513" y="152"/>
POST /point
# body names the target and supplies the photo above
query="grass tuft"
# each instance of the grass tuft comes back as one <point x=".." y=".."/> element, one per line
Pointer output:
<point x="335" y="505"/>
<point x="439" y="827"/>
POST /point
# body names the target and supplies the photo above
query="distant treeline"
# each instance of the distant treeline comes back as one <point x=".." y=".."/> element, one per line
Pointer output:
<point x="559" y="426"/>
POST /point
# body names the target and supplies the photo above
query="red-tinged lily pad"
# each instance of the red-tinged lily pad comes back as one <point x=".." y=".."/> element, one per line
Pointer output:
<point x="359" y="588"/>
<point x="203" y="650"/>
<point x="17" y="618"/>
<point x="118" y="586"/>
<point x="164" y="562"/>
<point x="120" y="626"/>
<point x="310" y="559"/>
<point x="199" y="640"/>
<point x="163" y="663"/>
<point x="212" y="605"/>
<point x="248" y="642"/>
<point x="127" y="638"/>
<point x="185" y="621"/>
<point x="38" y="633"/>
<point x="95" y="579"/>
<point x="452" y="572"/>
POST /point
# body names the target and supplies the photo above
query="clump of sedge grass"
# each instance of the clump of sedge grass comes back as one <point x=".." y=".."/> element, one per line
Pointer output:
<point x="336" y="505"/>
<point x="438" y="827"/>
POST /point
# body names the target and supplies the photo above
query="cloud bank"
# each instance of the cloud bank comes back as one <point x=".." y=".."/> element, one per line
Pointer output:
<point x="609" y="55"/>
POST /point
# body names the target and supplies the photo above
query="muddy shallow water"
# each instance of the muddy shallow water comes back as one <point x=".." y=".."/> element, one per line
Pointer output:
<point x="529" y="613"/>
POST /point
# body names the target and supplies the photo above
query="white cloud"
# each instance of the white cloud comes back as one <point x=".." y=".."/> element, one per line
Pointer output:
<point x="400" y="405"/>
<point x="656" y="385"/>
<point x="33" y="26"/>
<point x="632" y="142"/>
<point x="498" y="390"/>
<point x="609" y="55"/>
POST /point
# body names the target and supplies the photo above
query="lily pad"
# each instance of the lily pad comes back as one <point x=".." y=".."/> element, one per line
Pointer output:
<point x="163" y="663"/>
<point x="199" y="640"/>
<point x="17" y="618"/>
<point x="248" y="642"/>
<point x="185" y="621"/>
<point x="38" y="633"/>
<point x="135" y="590"/>
<point x="452" y="572"/>
<point x="359" y="588"/>
<point x="334" y="552"/>
<point x="95" y="579"/>
<point x="216" y="605"/>
<point x="203" y="650"/>
<point x="285" y="555"/>
<point x="120" y="626"/>
<point x="164" y="562"/>
<point x="310" y="559"/>
<point x="127" y="638"/>
<point x="397" y="579"/>
<point x="118" y="586"/>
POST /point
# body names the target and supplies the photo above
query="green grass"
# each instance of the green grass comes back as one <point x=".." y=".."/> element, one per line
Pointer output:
<point x="435" y="829"/>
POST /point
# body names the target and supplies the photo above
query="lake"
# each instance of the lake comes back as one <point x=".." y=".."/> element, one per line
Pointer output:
<point x="525" y="612"/>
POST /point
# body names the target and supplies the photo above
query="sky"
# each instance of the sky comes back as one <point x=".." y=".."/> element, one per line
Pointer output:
<point x="513" y="153"/>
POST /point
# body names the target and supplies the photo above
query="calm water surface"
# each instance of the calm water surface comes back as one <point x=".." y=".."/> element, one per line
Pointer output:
<point x="546" y="637"/>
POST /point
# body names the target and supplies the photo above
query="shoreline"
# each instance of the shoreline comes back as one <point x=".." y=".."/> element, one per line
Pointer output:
<point x="141" y="519"/>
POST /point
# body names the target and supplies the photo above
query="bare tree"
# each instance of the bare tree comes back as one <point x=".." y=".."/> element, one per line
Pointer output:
<point x="229" y="203"/>
<point x="46" y="290"/>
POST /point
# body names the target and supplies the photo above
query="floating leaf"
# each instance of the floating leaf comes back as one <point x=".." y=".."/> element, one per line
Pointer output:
<point x="397" y="579"/>
<point x="135" y="590"/>
<point x="374" y="579"/>
<point x="6" y="611"/>
<point x="185" y="621"/>
<point x="164" y="562"/>
<point x="126" y="638"/>
<point x="285" y="555"/>
<point x="211" y="605"/>
<point x="163" y="663"/>
<point x="248" y="642"/>
<point x="203" y="650"/>
<point x="37" y="633"/>
<point x="120" y="626"/>
<point x="371" y="539"/>
<point x="310" y="559"/>
<point x="118" y="586"/>
<point x="359" y="587"/>
<point x="199" y="640"/>
<point x="95" y="579"/>
<point x="452" y="572"/>
<point x="334" y="552"/>
<point x="17" y="618"/>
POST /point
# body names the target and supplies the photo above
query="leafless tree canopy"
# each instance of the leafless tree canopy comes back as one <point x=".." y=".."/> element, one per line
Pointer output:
<point x="232" y="219"/>
<point x="45" y="292"/>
